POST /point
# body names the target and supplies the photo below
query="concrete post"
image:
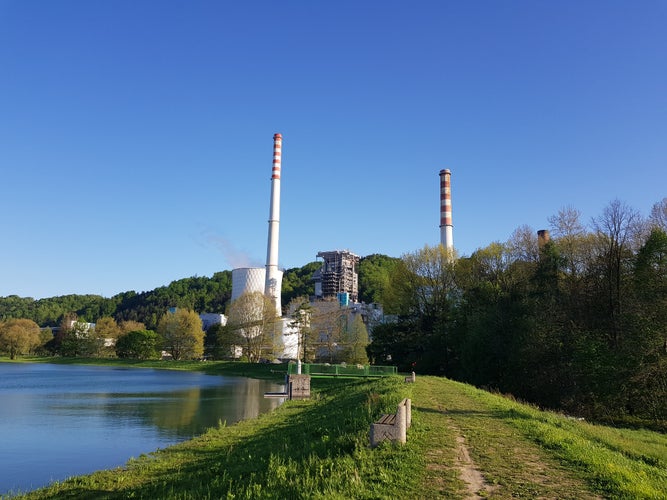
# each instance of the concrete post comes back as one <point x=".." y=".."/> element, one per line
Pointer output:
<point x="401" y="424"/>
<point x="298" y="386"/>
<point x="408" y="412"/>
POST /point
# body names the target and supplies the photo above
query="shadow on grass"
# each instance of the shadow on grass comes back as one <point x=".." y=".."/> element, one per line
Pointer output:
<point x="459" y="412"/>
<point x="322" y="429"/>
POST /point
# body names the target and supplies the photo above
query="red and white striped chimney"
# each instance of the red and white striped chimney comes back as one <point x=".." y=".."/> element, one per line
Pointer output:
<point x="274" y="277"/>
<point x="446" y="226"/>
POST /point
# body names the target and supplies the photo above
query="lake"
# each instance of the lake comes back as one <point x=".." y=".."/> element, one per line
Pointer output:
<point x="58" y="421"/>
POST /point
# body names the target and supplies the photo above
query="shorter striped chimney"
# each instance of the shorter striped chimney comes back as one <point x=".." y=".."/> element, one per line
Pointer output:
<point x="446" y="226"/>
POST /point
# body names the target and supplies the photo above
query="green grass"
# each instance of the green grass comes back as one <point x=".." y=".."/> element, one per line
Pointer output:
<point x="305" y="449"/>
<point x="318" y="448"/>
<point x="618" y="463"/>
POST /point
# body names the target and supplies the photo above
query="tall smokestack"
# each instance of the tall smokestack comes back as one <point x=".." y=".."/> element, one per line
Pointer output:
<point x="274" y="277"/>
<point x="446" y="226"/>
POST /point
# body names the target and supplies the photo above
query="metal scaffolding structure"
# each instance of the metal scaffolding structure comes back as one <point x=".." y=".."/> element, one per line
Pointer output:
<point x="338" y="274"/>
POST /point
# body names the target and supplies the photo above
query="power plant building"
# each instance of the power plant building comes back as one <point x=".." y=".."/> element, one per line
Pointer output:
<point x="338" y="275"/>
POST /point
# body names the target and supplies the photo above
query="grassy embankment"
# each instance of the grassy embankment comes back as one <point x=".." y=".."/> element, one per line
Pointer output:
<point x="319" y="449"/>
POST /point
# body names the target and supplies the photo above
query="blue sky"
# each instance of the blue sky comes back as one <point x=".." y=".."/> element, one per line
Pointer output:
<point x="136" y="136"/>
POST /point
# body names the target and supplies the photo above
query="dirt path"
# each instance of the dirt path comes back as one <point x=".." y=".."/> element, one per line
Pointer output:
<point x="473" y="454"/>
<point x="469" y="473"/>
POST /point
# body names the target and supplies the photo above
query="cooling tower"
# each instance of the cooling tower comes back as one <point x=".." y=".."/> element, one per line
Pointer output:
<point x="248" y="280"/>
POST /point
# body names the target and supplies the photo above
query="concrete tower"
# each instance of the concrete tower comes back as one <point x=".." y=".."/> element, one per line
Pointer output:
<point x="446" y="226"/>
<point x="274" y="276"/>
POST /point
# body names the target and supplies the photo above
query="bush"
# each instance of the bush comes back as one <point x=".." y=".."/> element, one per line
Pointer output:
<point x="139" y="344"/>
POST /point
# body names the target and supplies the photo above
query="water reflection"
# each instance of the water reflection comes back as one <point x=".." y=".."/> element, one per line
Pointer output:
<point x="58" y="421"/>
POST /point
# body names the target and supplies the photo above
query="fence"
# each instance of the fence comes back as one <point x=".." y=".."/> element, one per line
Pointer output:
<point x="327" y="370"/>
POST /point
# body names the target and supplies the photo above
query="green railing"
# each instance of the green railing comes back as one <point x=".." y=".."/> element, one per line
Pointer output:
<point x="327" y="370"/>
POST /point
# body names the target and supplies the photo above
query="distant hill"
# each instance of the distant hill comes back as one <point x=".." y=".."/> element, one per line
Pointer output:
<point x="200" y="293"/>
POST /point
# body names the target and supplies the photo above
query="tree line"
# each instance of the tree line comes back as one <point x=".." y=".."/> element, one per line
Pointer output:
<point x="128" y="324"/>
<point x="199" y="293"/>
<point x="576" y="321"/>
<point x="179" y="334"/>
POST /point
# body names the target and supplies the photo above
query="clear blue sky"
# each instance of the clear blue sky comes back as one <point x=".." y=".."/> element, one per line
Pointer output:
<point x="136" y="135"/>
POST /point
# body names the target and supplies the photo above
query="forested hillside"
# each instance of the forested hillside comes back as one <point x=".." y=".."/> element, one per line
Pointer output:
<point x="199" y="293"/>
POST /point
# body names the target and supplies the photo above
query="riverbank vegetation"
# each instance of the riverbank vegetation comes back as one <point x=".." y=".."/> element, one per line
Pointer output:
<point x="318" y="448"/>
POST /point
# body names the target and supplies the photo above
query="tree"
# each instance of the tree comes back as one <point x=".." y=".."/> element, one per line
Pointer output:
<point x="576" y="247"/>
<point x="105" y="334"/>
<point x="522" y="245"/>
<point x="616" y="230"/>
<point x="106" y="327"/>
<point x="298" y="282"/>
<point x="421" y="281"/>
<point x="649" y="343"/>
<point x="300" y="311"/>
<point x="130" y="326"/>
<point x="374" y="277"/>
<point x="252" y="319"/>
<point x="18" y="336"/>
<point x="423" y="293"/>
<point x="45" y="338"/>
<point x="182" y="334"/>
<point x="356" y="341"/>
<point x="328" y="324"/>
<point x="395" y="344"/>
<point x="658" y="216"/>
<point x="221" y="341"/>
<point x="139" y="344"/>
<point x="79" y="340"/>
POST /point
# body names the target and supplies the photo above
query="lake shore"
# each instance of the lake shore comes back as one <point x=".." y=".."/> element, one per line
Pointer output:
<point x="60" y="420"/>
<point x="463" y="442"/>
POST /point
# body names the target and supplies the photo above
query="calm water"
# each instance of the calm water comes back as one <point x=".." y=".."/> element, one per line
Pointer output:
<point x="59" y="421"/>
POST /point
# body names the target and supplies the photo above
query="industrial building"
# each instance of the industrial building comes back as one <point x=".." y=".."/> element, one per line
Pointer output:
<point x="338" y="275"/>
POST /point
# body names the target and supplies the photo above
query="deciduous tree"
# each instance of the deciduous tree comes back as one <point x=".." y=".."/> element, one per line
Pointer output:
<point x="328" y="323"/>
<point x="658" y="216"/>
<point x="130" y="326"/>
<point x="221" y="342"/>
<point x="301" y="311"/>
<point x="182" y="334"/>
<point x="18" y="336"/>
<point x="79" y="340"/>
<point x="356" y="341"/>
<point x="375" y="276"/>
<point x="139" y="344"/>
<point x="106" y="327"/>
<point x="617" y="230"/>
<point x="252" y="319"/>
